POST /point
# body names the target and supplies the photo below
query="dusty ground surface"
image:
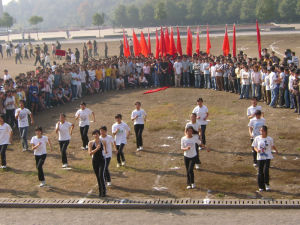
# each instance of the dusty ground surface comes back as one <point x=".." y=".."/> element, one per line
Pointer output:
<point x="158" y="172"/>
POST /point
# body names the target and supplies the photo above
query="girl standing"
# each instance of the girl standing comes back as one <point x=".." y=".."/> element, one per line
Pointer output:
<point x="95" y="149"/>
<point x="39" y="146"/>
<point x="64" y="130"/>
<point x="5" y="139"/>
<point x="121" y="132"/>
<point x="139" y="118"/>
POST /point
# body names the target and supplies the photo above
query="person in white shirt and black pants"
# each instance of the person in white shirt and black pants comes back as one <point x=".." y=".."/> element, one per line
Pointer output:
<point x="39" y="146"/>
<point x="5" y="139"/>
<point x="64" y="130"/>
<point x="139" y="118"/>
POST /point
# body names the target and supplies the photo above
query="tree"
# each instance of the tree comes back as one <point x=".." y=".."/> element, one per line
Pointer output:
<point x="7" y="21"/>
<point x="160" y="12"/>
<point x="265" y="10"/>
<point x="147" y="14"/>
<point x="120" y="15"/>
<point x="233" y="12"/>
<point x="248" y="10"/>
<point x="193" y="11"/>
<point x="98" y="20"/>
<point x="209" y="13"/>
<point x="34" y="21"/>
<point x="176" y="12"/>
<point x="222" y="8"/>
<point x="287" y="10"/>
<point x="298" y="8"/>
<point x="133" y="15"/>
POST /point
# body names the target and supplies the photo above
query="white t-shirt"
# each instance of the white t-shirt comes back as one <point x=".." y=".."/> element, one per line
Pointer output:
<point x="185" y="142"/>
<point x="10" y="102"/>
<point x="109" y="141"/>
<point x="121" y="136"/>
<point x="196" y="126"/>
<point x="23" y="117"/>
<point x="245" y="77"/>
<point x="141" y="114"/>
<point x="265" y="146"/>
<point x="256" y="124"/>
<point x="273" y="78"/>
<point x="6" y="77"/>
<point x="5" y="131"/>
<point x="213" y="71"/>
<point x="64" y="131"/>
<point x="84" y="116"/>
<point x="42" y="149"/>
<point x="251" y="110"/>
<point x="202" y="113"/>
<point x="178" y="67"/>
<point x="267" y="82"/>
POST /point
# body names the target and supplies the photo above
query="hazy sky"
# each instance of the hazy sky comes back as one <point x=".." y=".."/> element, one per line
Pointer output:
<point x="6" y="1"/>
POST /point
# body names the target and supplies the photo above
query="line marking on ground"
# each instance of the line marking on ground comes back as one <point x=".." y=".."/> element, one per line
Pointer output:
<point x="274" y="48"/>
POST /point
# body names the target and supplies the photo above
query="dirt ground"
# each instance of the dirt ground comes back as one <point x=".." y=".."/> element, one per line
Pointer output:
<point x="158" y="171"/>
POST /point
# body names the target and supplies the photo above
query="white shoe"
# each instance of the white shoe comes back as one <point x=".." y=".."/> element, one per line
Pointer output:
<point x="141" y="148"/>
<point x="189" y="187"/>
<point x="24" y="150"/>
<point x="260" y="190"/>
<point x="200" y="148"/>
<point x="197" y="166"/>
<point x="123" y="163"/>
<point x="3" y="167"/>
<point x="193" y="186"/>
<point x="65" y="166"/>
<point x="43" y="184"/>
<point x="82" y="148"/>
<point x="118" y="165"/>
<point x="108" y="183"/>
<point x="138" y="149"/>
<point x="268" y="187"/>
<point x="254" y="164"/>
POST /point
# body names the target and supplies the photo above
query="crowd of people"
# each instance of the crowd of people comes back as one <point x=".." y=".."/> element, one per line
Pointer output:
<point x="269" y="79"/>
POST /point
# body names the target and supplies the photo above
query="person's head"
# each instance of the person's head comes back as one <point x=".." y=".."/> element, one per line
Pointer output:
<point x="258" y="114"/>
<point x="200" y="102"/>
<point x="2" y="119"/>
<point x="38" y="131"/>
<point x="189" y="131"/>
<point x="103" y="131"/>
<point x="62" y="117"/>
<point x="193" y="117"/>
<point x="264" y="131"/>
<point x="254" y="102"/>
<point x="96" y="134"/>
<point x="82" y="105"/>
<point x="22" y="104"/>
<point x="5" y="72"/>
<point x="118" y="118"/>
<point x="138" y="105"/>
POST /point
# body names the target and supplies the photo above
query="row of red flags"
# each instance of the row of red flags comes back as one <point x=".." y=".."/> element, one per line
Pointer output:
<point x="166" y="44"/>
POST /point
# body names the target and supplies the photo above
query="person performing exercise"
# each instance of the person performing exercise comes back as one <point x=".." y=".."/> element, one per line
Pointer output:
<point x="139" y="117"/>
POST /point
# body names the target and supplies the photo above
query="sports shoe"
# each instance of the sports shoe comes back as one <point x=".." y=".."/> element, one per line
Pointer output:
<point x="197" y="166"/>
<point x="64" y="165"/>
<point x="193" y="186"/>
<point x="141" y="148"/>
<point x="108" y="183"/>
<point x="82" y="148"/>
<point x="189" y="187"/>
<point x="24" y="150"/>
<point x="268" y="187"/>
<point x="254" y="164"/>
<point x="118" y="165"/>
<point x="3" y="167"/>
<point x="43" y="184"/>
<point x="123" y="163"/>
<point x="260" y="190"/>
<point x="138" y="149"/>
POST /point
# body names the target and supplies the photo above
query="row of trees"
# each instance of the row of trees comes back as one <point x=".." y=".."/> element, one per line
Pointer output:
<point x="182" y="12"/>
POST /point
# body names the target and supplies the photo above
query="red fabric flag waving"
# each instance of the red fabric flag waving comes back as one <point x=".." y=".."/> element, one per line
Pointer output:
<point x="226" y="48"/>
<point x="198" y="43"/>
<point x="258" y="39"/>
<point x="136" y="45"/>
<point x="162" y="47"/>
<point x="179" y="48"/>
<point x="208" y="45"/>
<point x="126" y="46"/>
<point x="167" y="40"/>
<point x="144" y="47"/>
<point x="234" y="42"/>
<point x="172" y="49"/>
<point x="189" y="44"/>
<point x="157" y="46"/>
<point x="149" y="44"/>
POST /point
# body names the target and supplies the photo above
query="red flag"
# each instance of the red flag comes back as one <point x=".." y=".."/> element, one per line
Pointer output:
<point x="136" y="45"/>
<point x="144" y="47"/>
<point x="198" y="43"/>
<point x="234" y="42"/>
<point x="126" y="46"/>
<point x="208" y="45"/>
<point x="162" y="47"/>
<point x="258" y="39"/>
<point x="157" y="46"/>
<point x="172" y="49"/>
<point x="179" y="49"/>
<point x="189" y="44"/>
<point x="226" y="48"/>
<point x="149" y="43"/>
<point x="167" y="40"/>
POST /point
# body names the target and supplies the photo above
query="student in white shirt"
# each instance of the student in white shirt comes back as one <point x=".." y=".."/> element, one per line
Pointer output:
<point x="139" y="116"/>
<point x="64" y="130"/>
<point x="6" y="75"/>
<point x="83" y="114"/>
<point x="21" y="115"/>
<point x="178" y="69"/>
<point x="5" y="139"/>
<point x="253" y="108"/>
<point x="245" y="75"/>
<point x="254" y="128"/>
<point x="39" y="146"/>
<point x="121" y="132"/>
<point x="263" y="145"/>
<point x="109" y="144"/>
<point x="202" y="115"/>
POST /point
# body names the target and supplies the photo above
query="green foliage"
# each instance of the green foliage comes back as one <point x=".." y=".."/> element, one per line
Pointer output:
<point x="160" y="13"/>
<point x="6" y="21"/>
<point x="287" y="9"/>
<point x="265" y="10"/>
<point x="98" y="19"/>
<point x="133" y="15"/>
<point x="34" y="20"/>
<point x="248" y="10"/>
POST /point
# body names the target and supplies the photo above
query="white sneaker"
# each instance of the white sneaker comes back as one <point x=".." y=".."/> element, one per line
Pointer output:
<point x="260" y="190"/>
<point x="3" y="167"/>
<point x="82" y="148"/>
<point x="118" y="165"/>
<point x="43" y="184"/>
<point x="193" y="186"/>
<point x="108" y="183"/>
<point x="197" y="166"/>
<point x="24" y="150"/>
<point x="123" y="163"/>
<point x="65" y="166"/>
<point x="189" y="187"/>
<point x="138" y="149"/>
<point x="268" y="187"/>
<point x="141" y="148"/>
<point x="254" y="164"/>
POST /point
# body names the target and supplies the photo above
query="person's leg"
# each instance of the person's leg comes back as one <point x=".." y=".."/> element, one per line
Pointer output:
<point x="82" y="136"/>
<point x="247" y="91"/>
<point x="64" y="148"/>
<point x="260" y="176"/>
<point x="191" y="169"/>
<point x="254" y="153"/>
<point x="23" y="133"/>
<point x="136" y="130"/>
<point x="107" y="173"/>
<point x="118" y="154"/>
<point x="197" y="160"/>
<point x="96" y="168"/>
<point x="3" y="154"/>
<point x="140" y="134"/>
<point x="85" y="133"/>
<point x="121" y="150"/>
<point x="187" y="164"/>
<point x="40" y="160"/>
<point x="287" y="98"/>
<point x="102" y="187"/>
<point x="203" y="129"/>
<point x="266" y="171"/>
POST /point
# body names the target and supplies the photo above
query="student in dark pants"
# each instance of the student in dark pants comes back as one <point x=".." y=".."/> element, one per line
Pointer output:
<point x="138" y="116"/>
<point x="263" y="145"/>
<point x="39" y="146"/>
<point x="6" y="138"/>
<point x="95" y="149"/>
<point x="64" y="130"/>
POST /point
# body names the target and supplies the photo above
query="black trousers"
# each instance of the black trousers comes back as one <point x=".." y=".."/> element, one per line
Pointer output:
<point x="254" y="153"/>
<point x="63" y="145"/>
<point x="189" y="165"/>
<point x="107" y="173"/>
<point x="10" y="117"/>
<point x="99" y="168"/>
<point x="263" y="173"/>
<point x="3" y="154"/>
<point x="120" y="154"/>
<point x="84" y="135"/>
<point x="39" y="161"/>
<point x="138" y="129"/>
<point x="198" y="156"/>
<point x="203" y="129"/>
